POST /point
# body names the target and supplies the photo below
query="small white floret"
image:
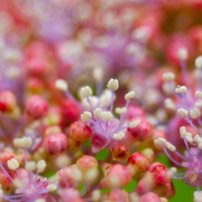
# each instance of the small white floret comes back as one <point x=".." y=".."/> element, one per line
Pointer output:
<point x="113" y="84"/>
<point x="182" y="112"/>
<point x="61" y="84"/>
<point x="198" y="62"/>
<point x="13" y="164"/>
<point x="41" y="165"/>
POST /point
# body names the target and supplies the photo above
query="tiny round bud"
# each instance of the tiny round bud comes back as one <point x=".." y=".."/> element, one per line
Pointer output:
<point x="117" y="177"/>
<point x="142" y="130"/>
<point x="70" y="176"/>
<point x="55" y="143"/>
<point x="36" y="106"/>
<point x="120" y="152"/>
<point x="86" y="163"/>
<point x="150" y="196"/>
<point x="138" y="162"/>
<point x="80" y="132"/>
<point x="7" y="101"/>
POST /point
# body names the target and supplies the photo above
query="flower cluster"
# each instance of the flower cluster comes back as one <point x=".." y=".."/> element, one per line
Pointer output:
<point x="89" y="100"/>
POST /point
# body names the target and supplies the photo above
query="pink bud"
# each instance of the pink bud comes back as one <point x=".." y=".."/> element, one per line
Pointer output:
<point x="137" y="162"/>
<point x="117" y="195"/>
<point x="69" y="176"/>
<point x="150" y="197"/>
<point x="80" y="132"/>
<point x="7" y="184"/>
<point x="36" y="106"/>
<point x="37" y="66"/>
<point x="55" y="143"/>
<point x="99" y="142"/>
<point x="120" y="152"/>
<point x="156" y="179"/>
<point x="87" y="162"/>
<point x="134" y="111"/>
<point x="143" y="130"/>
<point x="70" y="112"/>
<point x="7" y="101"/>
<point x="117" y="177"/>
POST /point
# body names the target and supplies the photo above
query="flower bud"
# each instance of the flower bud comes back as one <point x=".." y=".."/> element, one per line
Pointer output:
<point x="137" y="162"/>
<point x="70" y="176"/>
<point x="36" y="106"/>
<point x="55" y="143"/>
<point x="7" y="101"/>
<point x="80" y="132"/>
<point x="86" y="163"/>
<point x="143" y="130"/>
<point x="150" y="197"/>
<point x="120" y="152"/>
<point x="117" y="195"/>
<point x="117" y="177"/>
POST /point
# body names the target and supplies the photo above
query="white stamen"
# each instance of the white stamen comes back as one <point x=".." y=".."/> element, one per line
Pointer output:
<point x="129" y="95"/>
<point x="61" y="84"/>
<point x="13" y="164"/>
<point x="107" y="116"/>
<point x="181" y="89"/>
<point x="195" y="112"/>
<point x="119" y="136"/>
<point x="41" y="165"/>
<point x="198" y="94"/>
<point x="160" y="142"/>
<point x="198" y="62"/>
<point x="113" y="84"/>
<point x="182" y="112"/>
<point x="169" y="104"/>
<point x="86" y="116"/>
<point x="134" y="124"/>
<point x="85" y="92"/>
<point x="182" y="53"/>
<point x="98" y="74"/>
<point x="30" y="165"/>
<point x="170" y="146"/>
<point x="122" y="110"/>
<point x="169" y="76"/>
